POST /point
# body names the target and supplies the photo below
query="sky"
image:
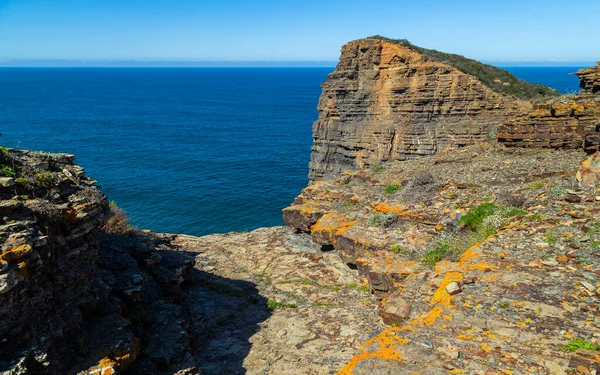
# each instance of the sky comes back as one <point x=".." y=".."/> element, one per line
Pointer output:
<point x="510" y="31"/>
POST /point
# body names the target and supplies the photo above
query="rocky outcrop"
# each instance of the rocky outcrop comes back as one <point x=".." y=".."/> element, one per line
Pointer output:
<point x="50" y="218"/>
<point x="569" y="122"/>
<point x="589" y="79"/>
<point x="504" y="293"/>
<point x="72" y="298"/>
<point x="388" y="101"/>
<point x="81" y="296"/>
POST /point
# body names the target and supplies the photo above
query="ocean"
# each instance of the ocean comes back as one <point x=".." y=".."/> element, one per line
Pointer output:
<point x="184" y="150"/>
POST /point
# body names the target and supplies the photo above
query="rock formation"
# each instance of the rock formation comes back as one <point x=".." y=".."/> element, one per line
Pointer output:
<point x="571" y="121"/>
<point x="389" y="100"/>
<point x="483" y="259"/>
<point x="590" y="79"/>
<point x="74" y="299"/>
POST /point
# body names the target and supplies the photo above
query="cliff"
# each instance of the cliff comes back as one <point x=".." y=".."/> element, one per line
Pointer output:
<point x="567" y="122"/>
<point x="75" y="299"/>
<point x="390" y="100"/>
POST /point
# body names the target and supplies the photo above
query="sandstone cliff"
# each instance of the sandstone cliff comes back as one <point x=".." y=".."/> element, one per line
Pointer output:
<point x="389" y="100"/>
<point x="571" y="121"/>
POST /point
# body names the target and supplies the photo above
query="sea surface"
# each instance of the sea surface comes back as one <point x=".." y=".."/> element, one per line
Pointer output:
<point x="184" y="150"/>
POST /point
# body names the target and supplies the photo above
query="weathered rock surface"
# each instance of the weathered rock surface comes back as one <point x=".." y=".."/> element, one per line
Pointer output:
<point x="506" y="301"/>
<point x="77" y="300"/>
<point x="385" y="101"/>
<point x="71" y="303"/>
<point x="567" y="122"/>
<point x="589" y="79"/>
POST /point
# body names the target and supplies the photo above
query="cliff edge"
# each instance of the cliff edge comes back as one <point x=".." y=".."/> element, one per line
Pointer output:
<point x="390" y="100"/>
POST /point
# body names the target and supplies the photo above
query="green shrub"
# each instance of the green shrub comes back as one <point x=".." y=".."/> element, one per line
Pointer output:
<point x="118" y="221"/>
<point x="559" y="191"/>
<point x="378" y="168"/>
<point x="392" y="188"/>
<point x="45" y="179"/>
<point x="380" y="220"/>
<point x="395" y="248"/>
<point x="441" y="249"/>
<point x="475" y="217"/>
<point x="507" y="212"/>
<point x="272" y="305"/>
<point x="7" y="171"/>
<point x="21" y="181"/>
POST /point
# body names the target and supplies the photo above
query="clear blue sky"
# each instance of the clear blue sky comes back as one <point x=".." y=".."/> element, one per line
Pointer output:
<point x="507" y="30"/>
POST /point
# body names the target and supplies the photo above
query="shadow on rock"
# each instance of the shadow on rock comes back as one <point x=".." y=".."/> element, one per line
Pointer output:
<point x="186" y="321"/>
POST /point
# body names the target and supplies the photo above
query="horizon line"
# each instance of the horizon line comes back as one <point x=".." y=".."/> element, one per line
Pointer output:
<point x="118" y="63"/>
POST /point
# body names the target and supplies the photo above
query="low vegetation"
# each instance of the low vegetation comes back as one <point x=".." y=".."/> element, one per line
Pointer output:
<point x="474" y="227"/>
<point x="273" y="305"/>
<point x="575" y="344"/>
<point x="497" y="79"/>
<point x="381" y="220"/>
<point x="392" y="188"/>
<point x="45" y="179"/>
<point x="118" y="221"/>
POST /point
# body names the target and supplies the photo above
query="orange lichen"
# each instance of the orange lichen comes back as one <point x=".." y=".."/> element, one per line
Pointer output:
<point x="105" y="362"/>
<point x="388" y="342"/>
<point x="441" y="296"/>
<point x="16" y="253"/>
<point x="386" y="208"/>
<point x="428" y="319"/>
<point x="332" y="225"/>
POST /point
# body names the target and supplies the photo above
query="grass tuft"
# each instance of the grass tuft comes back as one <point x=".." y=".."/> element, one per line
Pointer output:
<point x="575" y="344"/>
<point x="392" y="188"/>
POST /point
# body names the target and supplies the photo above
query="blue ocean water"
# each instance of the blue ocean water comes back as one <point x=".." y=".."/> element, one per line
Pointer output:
<point x="559" y="78"/>
<point x="183" y="150"/>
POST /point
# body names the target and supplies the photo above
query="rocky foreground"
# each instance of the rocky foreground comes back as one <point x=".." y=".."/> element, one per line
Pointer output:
<point x="343" y="292"/>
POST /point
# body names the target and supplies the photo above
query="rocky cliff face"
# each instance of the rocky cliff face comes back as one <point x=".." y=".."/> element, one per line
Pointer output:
<point x="50" y="219"/>
<point x="571" y="121"/>
<point x="590" y="79"/>
<point x="386" y="101"/>
<point x="73" y="299"/>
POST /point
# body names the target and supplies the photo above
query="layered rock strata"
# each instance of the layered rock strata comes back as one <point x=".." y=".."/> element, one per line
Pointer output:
<point x="386" y="101"/>
<point x="75" y="300"/>
<point x="571" y="121"/>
